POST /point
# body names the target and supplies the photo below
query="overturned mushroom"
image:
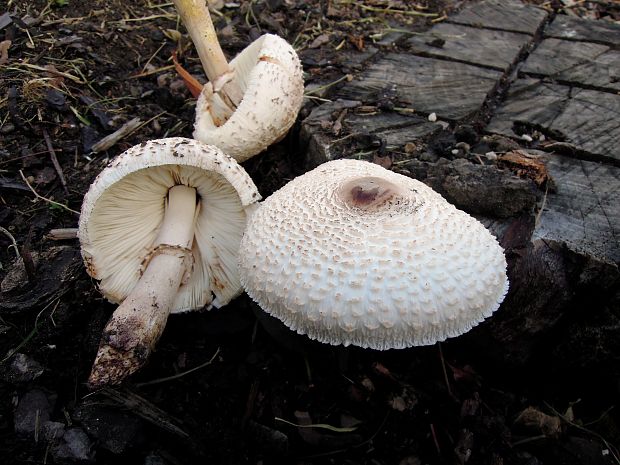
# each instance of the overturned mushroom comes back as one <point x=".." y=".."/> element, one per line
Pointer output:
<point x="351" y="253"/>
<point x="160" y="229"/>
<point x="251" y="102"/>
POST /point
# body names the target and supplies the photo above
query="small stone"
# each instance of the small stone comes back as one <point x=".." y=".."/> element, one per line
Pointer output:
<point x="32" y="411"/>
<point x="428" y="156"/>
<point x="464" y="146"/>
<point x="56" y="99"/>
<point x="527" y="137"/>
<point x="16" y="277"/>
<point x="491" y="156"/>
<point x="7" y="128"/>
<point x="73" y="448"/>
<point x="466" y="133"/>
<point x="22" y="369"/>
<point x="154" y="459"/>
<point x="432" y="117"/>
<point x="52" y="430"/>
<point x="89" y="137"/>
<point x="113" y="430"/>
<point x="398" y="403"/>
<point x="411" y="460"/>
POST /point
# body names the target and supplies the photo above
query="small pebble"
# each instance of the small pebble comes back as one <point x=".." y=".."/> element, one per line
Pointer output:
<point x="7" y="128"/>
<point x="53" y="430"/>
<point x="32" y="411"/>
<point x="73" y="448"/>
<point x="22" y="369"/>
<point x="432" y="117"/>
<point x="527" y="138"/>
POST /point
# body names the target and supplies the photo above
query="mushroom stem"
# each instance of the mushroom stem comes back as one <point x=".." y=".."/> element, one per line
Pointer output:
<point x="197" y="20"/>
<point x="136" y="325"/>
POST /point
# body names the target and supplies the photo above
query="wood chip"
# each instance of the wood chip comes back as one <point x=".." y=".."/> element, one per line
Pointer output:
<point x="62" y="234"/>
<point x="4" y="51"/>
<point x="111" y="139"/>
<point x="525" y="165"/>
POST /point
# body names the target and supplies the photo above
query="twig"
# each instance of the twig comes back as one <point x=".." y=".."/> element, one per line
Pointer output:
<point x="30" y="335"/>
<point x="356" y="446"/>
<point x="328" y="85"/>
<point x="335" y="429"/>
<point x="45" y="199"/>
<point x="111" y="139"/>
<point x="148" y="62"/>
<point x="48" y="70"/>
<point x="526" y="440"/>
<point x="145" y="409"/>
<point x="191" y="82"/>
<point x="61" y="234"/>
<point x="179" y="375"/>
<point x="12" y="239"/>
<point x="375" y="9"/>
<point x="144" y="18"/>
<point x="435" y="440"/>
<point x="152" y="71"/>
<point x="445" y="372"/>
<point x="610" y="447"/>
<point x="57" y="166"/>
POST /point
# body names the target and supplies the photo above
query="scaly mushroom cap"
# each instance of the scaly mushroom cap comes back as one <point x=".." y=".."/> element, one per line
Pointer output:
<point x="270" y="76"/>
<point x="351" y="253"/>
<point x="124" y="207"/>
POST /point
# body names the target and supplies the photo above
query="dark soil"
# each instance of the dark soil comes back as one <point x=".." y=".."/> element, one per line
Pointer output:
<point x="76" y="71"/>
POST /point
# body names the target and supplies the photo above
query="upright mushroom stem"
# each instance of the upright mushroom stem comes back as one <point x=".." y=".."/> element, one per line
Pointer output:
<point x="197" y="20"/>
<point x="138" y="322"/>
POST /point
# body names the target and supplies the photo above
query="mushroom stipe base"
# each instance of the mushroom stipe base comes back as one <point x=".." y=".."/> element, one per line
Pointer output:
<point x="137" y="324"/>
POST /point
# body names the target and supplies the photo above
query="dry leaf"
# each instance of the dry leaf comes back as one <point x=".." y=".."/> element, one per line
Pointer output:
<point x="173" y="34"/>
<point x="385" y="162"/>
<point x="320" y="40"/>
<point x="191" y="82"/>
<point x="538" y="422"/>
<point x="525" y="165"/>
<point x="358" y="42"/>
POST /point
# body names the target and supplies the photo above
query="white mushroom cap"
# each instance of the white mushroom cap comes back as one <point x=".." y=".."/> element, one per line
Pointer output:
<point x="351" y="253"/>
<point x="269" y="73"/>
<point x="125" y="205"/>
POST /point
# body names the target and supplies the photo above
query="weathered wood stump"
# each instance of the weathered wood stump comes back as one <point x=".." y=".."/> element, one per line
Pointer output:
<point x="526" y="138"/>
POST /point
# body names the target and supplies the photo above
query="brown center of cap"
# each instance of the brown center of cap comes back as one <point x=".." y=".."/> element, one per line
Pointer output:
<point x="368" y="193"/>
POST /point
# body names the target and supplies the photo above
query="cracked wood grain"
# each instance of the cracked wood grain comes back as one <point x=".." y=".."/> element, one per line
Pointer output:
<point x="584" y="213"/>
<point x="586" y="119"/>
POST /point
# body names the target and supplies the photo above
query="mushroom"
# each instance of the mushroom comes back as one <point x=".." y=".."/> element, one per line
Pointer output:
<point x="251" y="102"/>
<point x="160" y="229"/>
<point x="352" y="253"/>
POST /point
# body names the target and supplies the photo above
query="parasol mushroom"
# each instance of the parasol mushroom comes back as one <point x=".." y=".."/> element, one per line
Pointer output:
<point x="352" y="253"/>
<point x="160" y="229"/>
<point x="251" y="102"/>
